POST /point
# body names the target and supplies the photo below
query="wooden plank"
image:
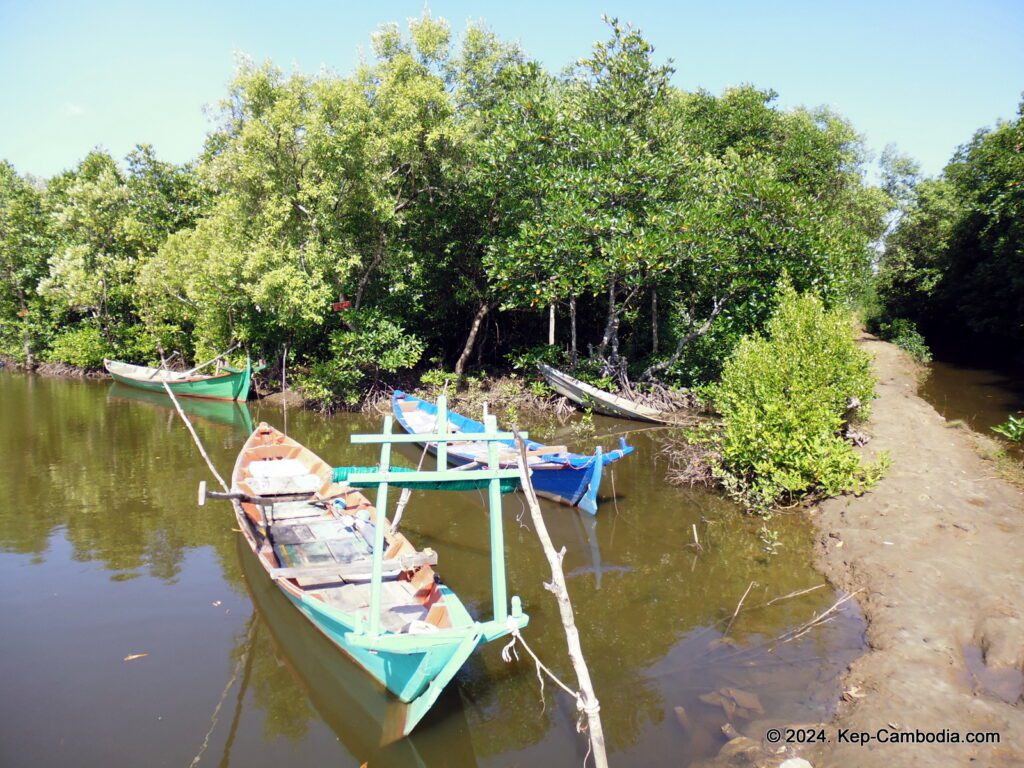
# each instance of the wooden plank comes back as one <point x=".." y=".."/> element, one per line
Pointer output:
<point x="452" y="437"/>
<point x="380" y="523"/>
<point x="427" y="476"/>
<point x="359" y="568"/>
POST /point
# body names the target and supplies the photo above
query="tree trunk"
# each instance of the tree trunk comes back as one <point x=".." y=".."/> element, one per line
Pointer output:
<point x="572" y="331"/>
<point x="611" y="323"/>
<point x="716" y="308"/>
<point x="474" y="329"/>
<point x="654" y="321"/>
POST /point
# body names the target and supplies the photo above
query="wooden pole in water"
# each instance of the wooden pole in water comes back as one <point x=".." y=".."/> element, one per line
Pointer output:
<point x="199" y="443"/>
<point x="551" y="325"/>
<point x="572" y="636"/>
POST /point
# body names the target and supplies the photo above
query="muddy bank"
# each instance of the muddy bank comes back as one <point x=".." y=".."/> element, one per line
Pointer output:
<point x="58" y="370"/>
<point x="936" y="549"/>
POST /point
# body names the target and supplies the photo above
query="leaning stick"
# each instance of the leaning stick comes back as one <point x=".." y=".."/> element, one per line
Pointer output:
<point x="738" y="606"/>
<point x="588" y="699"/>
<point x="199" y="443"/>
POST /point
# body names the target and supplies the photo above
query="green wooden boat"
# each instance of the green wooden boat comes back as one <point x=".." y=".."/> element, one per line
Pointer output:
<point x="337" y="558"/>
<point x="230" y="384"/>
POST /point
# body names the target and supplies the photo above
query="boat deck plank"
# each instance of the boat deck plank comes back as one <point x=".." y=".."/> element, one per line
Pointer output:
<point x="308" y="536"/>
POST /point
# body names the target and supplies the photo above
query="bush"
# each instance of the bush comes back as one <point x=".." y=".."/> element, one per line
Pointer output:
<point x="82" y="347"/>
<point x="527" y="359"/>
<point x="784" y="399"/>
<point x="379" y="346"/>
<point x="904" y="334"/>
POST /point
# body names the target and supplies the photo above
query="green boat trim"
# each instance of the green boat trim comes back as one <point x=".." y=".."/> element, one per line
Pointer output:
<point x="334" y="556"/>
<point x="224" y="386"/>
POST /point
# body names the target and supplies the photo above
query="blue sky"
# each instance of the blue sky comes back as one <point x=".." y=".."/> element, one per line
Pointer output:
<point x="924" y="75"/>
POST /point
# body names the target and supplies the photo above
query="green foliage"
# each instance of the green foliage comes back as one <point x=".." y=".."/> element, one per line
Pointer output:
<point x="450" y="183"/>
<point x="437" y="377"/>
<point x="1011" y="429"/>
<point x="783" y="400"/>
<point x="904" y="334"/>
<point x="953" y="261"/>
<point x="82" y="346"/>
<point x="358" y="358"/>
<point x="527" y="360"/>
<point x="26" y="237"/>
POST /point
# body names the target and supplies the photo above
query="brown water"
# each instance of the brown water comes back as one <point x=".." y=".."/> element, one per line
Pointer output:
<point x="981" y="397"/>
<point x="104" y="554"/>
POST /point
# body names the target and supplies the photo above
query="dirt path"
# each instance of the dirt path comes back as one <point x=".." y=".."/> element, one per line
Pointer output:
<point x="938" y="549"/>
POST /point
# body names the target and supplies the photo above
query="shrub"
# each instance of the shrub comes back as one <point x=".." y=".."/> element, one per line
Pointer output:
<point x="1011" y="429"/>
<point x="784" y="399"/>
<point x="378" y="346"/>
<point x="529" y="358"/>
<point x="82" y="347"/>
<point x="904" y="334"/>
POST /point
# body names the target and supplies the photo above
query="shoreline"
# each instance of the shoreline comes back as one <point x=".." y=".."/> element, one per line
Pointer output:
<point x="932" y="555"/>
<point x="936" y="549"/>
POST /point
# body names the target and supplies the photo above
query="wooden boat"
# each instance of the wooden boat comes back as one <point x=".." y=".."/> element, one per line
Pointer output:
<point x="596" y="399"/>
<point x="568" y="478"/>
<point x="229" y="384"/>
<point x="365" y="717"/>
<point x="365" y="587"/>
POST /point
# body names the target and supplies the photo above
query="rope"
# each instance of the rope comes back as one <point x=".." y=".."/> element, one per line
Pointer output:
<point x="509" y="652"/>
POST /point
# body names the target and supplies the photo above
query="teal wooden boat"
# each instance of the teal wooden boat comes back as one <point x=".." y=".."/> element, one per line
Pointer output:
<point x="229" y="384"/>
<point x="363" y="715"/>
<point x="335" y="556"/>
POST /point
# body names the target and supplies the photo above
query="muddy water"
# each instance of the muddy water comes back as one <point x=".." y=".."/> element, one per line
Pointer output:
<point x="105" y="556"/>
<point x="981" y="397"/>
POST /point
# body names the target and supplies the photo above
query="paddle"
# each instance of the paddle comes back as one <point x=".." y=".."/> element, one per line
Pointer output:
<point x="263" y="501"/>
<point x="214" y="360"/>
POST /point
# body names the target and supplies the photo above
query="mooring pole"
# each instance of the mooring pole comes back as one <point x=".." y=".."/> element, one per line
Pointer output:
<point x="588" y="699"/>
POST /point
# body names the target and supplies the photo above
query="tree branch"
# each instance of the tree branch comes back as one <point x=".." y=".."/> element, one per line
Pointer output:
<point x="717" y="305"/>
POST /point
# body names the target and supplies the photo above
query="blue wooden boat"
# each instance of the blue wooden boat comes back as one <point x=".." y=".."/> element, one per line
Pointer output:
<point x="335" y="556"/>
<point x="568" y="478"/>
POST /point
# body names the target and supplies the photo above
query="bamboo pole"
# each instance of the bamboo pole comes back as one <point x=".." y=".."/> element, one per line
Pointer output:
<point x="190" y="371"/>
<point x="588" y="699"/>
<point x="199" y="443"/>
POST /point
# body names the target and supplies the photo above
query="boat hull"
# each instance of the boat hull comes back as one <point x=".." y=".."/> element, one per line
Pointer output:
<point x="366" y="718"/>
<point x="571" y="479"/>
<point x="419" y="667"/>
<point x="605" y="403"/>
<point x="230" y="386"/>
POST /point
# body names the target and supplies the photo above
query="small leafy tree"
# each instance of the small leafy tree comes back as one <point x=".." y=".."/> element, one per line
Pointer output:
<point x="784" y="399"/>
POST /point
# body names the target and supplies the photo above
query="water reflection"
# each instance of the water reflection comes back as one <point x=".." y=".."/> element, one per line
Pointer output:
<point x="115" y="478"/>
<point x="981" y="397"/>
<point x="229" y="413"/>
<point x="365" y="718"/>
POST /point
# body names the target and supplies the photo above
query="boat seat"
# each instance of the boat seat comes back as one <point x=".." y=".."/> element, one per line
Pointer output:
<point x="358" y="569"/>
<point x="276" y="468"/>
<point x="275" y="477"/>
